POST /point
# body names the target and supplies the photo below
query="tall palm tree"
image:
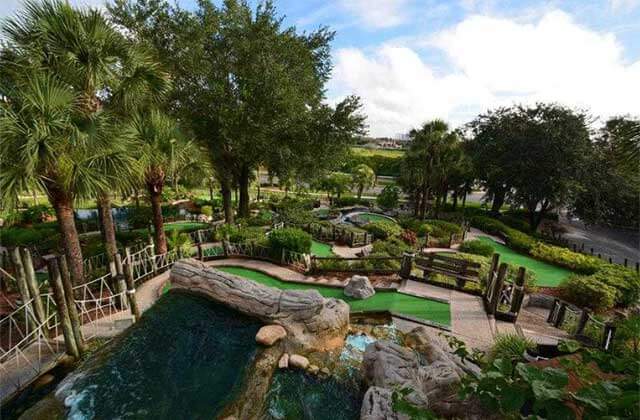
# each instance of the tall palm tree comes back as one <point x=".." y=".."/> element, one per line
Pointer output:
<point x="107" y="73"/>
<point x="43" y="147"/>
<point x="161" y="148"/>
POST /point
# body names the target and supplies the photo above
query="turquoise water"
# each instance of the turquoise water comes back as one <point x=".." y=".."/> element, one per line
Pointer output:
<point x="185" y="359"/>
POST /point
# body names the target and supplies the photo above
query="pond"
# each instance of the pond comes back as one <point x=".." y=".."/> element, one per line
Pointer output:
<point x="186" y="358"/>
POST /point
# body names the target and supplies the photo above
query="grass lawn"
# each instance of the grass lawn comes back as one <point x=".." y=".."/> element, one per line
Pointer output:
<point x="426" y="309"/>
<point x="363" y="151"/>
<point x="320" y="249"/>
<point x="547" y="275"/>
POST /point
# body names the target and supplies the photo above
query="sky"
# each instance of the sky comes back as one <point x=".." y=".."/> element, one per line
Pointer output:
<point x="414" y="60"/>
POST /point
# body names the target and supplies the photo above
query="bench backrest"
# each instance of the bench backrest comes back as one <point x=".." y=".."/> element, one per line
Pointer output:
<point x="448" y="265"/>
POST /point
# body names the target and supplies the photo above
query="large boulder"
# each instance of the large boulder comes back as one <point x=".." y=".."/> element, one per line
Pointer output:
<point x="270" y="334"/>
<point x="377" y="405"/>
<point x="359" y="287"/>
<point x="298" y="361"/>
<point x="310" y="320"/>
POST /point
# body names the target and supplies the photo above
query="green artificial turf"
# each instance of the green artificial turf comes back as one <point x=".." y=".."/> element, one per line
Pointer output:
<point x="320" y="249"/>
<point x="180" y="226"/>
<point x="426" y="309"/>
<point x="372" y="217"/>
<point x="547" y="275"/>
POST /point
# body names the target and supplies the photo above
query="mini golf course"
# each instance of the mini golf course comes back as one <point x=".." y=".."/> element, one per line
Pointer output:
<point x="428" y="310"/>
<point x="320" y="249"/>
<point x="547" y="275"/>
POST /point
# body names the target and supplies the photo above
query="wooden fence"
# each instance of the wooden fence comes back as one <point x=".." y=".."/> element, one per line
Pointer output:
<point x="581" y="324"/>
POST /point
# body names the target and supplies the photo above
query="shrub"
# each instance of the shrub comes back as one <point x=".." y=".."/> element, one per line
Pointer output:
<point x="139" y="217"/>
<point x="373" y="264"/>
<point x="389" y="197"/>
<point x="441" y="228"/>
<point x="37" y="214"/>
<point x="349" y="201"/>
<point x="180" y="242"/>
<point x="127" y="238"/>
<point x="18" y="236"/>
<point x="410" y="223"/>
<point x="394" y="247"/>
<point x="206" y="210"/>
<point x="246" y="234"/>
<point x="383" y="229"/>
<point x="511" y="347"/>
<point x="409" y="237"/>
<point x="334" y="264"/>
<point x="586" y="291"/>
<point x="477" y="247"/>
<point x="581" y="263"/>
<point x="624" y="280"/>
<point x="292" y="239"/>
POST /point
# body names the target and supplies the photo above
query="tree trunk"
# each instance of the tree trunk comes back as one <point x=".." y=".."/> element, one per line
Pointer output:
<point x="243" y="204"/>
<point x="155" y="193"/>
<point x="498" y="200"/>
<point x="455" y="200"/>
<point x="360" y="189"/>
<point x="225" y="190"/>
<point x="106" y="224"/>
<point x="211" y="191"/>
<point x="62" y="203"/>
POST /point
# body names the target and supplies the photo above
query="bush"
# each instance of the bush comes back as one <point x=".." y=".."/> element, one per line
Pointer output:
<point x="511" y="347"/>
<point x="206" y="210"/>
<point x="131" y="237"/>
<point x="18" y="236"/>
<point x="383" y="229"/>
<point x="292" y="239"/>
<point x="477" y="247"/>
<point x="180" y="242"/>
<point x="373" y="264"/>
<point x="409" y="237"/>
<point x="439" y="229"/>
<point x="584" y="264"/>
<point x="586" y="291"/>
<point x="394" y="247"/>
<point x="389" y="197"/>
<point x="514" y="238"/>
<point x="37" y="214"/>
<point x="246" y="234"/>
<point x="139" y="217"/>
<point x="624" y="280"/>
<point x="349" y="201"/>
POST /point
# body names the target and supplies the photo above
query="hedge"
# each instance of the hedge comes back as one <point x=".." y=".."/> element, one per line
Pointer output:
<point x="477" y="247"/>
<point x="292" y="239"/>
<point x="597" y="284"/>
<point x="383" y="229"/>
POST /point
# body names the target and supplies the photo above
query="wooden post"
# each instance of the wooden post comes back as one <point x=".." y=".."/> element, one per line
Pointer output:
<point x="131" y="290"/>
<point x="637" y="267"/>
<point x="560" y="317"/>
<point x="406" y="265"/>
<point x="55" y="282"/>
<point x="517" y="294"/>
<point x="610" y="260"/>
<point x="607" y="336"/>
<point x="426" y="240"/>
<point x="450" y="239"/>
<point x="582" y="323"/>
<point x="225" y="248"/>
<point x="552" y="312"/>
<point x="626" y="262"/>
<point x="21" y="280"/>
<point x="67" y="286"/>
<point x="199" y="248"/>
<point x="121" y="286"/>
<point x="32" y="285"/>
<point x="575" y="248"/>
<point x="591" y="251"/>
<point x="497" y="289"/>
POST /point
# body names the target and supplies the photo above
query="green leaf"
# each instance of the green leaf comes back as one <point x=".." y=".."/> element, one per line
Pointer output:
<point x="544" y="391"/>
<point x="569" y="346"/>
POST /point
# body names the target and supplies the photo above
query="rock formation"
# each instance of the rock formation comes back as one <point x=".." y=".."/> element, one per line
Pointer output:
<point x="434" y="378"/>
<point x="312" y="322"/>
<point x="359" y="287"/>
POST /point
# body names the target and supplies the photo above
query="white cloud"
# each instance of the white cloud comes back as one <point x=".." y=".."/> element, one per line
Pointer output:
<point x="494" y="62"/>
<point x="378" y="13"/>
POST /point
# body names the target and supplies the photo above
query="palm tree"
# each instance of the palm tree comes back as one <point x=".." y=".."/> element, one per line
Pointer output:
<point x="107" y="73"/>
<point x="363" y="177"/>
<point x="161" y="149"/>
<point x="43" y="147"/>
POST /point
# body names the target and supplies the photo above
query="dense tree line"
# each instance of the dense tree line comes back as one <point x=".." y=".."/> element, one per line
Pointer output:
<point x="539" y="158"/>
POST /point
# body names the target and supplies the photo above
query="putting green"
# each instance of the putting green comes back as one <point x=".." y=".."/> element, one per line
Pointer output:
<point x="373" y="217"/>
<point x="320" y="249"/>
<point x="429" y="310"/>
<point x="547" y="275"/>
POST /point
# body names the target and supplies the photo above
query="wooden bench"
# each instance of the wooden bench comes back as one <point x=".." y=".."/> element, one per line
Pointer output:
<point x="461" y="270"/>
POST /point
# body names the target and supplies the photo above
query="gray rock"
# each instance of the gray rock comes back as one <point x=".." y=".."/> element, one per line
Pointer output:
<point x="311" y="321"/>
<point x="359" y="287"/>
<point x="376" y="405"/>
<point x="389" y="365"/>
